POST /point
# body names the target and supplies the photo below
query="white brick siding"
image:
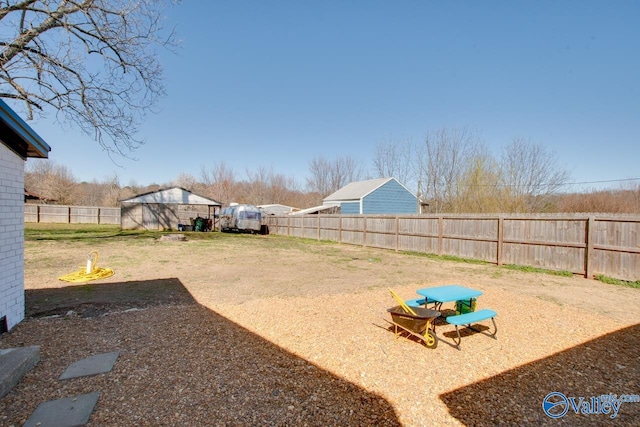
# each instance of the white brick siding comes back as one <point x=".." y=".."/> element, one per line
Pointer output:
<point x="11" y="236"/>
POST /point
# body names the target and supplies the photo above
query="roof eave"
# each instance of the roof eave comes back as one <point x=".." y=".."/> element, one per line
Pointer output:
<point x="35" y="145"/>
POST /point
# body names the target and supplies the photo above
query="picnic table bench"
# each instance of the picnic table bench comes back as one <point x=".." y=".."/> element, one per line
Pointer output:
<point x="470" y="318"/>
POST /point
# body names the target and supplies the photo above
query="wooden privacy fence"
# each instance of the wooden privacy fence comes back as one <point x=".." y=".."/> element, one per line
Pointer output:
<point x="71" y="214"/>
<point x="581" y="244"/>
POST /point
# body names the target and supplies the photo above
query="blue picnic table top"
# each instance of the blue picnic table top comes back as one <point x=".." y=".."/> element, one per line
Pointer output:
<point x="448" y="293"/>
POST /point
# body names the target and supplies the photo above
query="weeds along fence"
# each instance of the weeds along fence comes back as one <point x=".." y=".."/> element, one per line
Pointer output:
<point x="581" y="244"/>
<point x="71" y="214"/>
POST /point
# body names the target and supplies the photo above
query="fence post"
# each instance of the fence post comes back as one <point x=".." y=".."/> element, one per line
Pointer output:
<point x="397" y="232"/>
<point x="318" y="227"/>
<point x="37" y="213"/>
<point x="500" y="239"/>
<point x="68" y="214"/>
<point x="364" y="231"/>
<point x="440" y="234"/>
<point x="590" y="223"/>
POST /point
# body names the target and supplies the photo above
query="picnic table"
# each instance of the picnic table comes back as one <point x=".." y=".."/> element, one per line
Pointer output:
<point x="448" y="293"/>
<point x="457" y="293"/>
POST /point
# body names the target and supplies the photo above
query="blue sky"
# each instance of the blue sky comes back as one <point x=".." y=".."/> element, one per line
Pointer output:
<point x="274" y="84"/>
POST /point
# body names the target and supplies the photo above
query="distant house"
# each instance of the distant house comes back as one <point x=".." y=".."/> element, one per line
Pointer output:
<point x="165" y="209"/>
<point x="316" y="210"/>
<point x="277" y="209"/>
<point x="374" y="196"/>
<point x="30" y="197"/>
<point x="19" y="142"/>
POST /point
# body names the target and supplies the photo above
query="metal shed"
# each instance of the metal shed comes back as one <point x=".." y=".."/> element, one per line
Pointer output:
<point x="374" y="196"/>
<point x="166" y="209"/>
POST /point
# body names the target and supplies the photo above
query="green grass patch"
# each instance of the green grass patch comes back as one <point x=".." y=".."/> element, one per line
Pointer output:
<point x="618" y="282"/>
<point x="551" y="299"/>
<point x="94" y="233"/>
<point x="446" y="258"/>
<point x="529" y="269"/>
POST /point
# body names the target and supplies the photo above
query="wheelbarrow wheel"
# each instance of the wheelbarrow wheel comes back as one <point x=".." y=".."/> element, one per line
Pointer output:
<point x="430" y="339"/>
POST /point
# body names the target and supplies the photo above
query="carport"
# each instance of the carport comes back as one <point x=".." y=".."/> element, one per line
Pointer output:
<point x="166" y="210"/>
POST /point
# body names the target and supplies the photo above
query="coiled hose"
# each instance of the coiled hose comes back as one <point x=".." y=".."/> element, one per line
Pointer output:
<point x="88" y="273"/>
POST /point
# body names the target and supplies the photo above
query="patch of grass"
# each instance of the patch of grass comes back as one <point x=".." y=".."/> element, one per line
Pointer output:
<point x="550" y="298"/>
<point x="446" y="258"/>
<point x="496" y="274"/>
<point x="94" y="233"/>
<point x="529" y="269"/>
<point x="618" y="282"/>
<point x="89" y="233"/>
<point x="464" y="260"/>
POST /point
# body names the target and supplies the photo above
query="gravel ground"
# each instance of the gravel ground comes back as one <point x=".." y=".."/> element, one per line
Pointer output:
<point x="271" y="331"/>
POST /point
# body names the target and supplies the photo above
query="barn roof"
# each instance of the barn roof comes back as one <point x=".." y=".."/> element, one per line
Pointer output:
<point x="172" y="196"/>
<point x="357" y="190"/>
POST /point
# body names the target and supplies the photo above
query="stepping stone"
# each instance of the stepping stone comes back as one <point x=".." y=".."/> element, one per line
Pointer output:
<point x="93" y="365"/>
<point x="68" y="412"/>
<point x="14" y="364"/>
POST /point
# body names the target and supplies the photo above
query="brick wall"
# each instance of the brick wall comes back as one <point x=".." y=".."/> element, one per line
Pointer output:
<point x="11" y="236"/>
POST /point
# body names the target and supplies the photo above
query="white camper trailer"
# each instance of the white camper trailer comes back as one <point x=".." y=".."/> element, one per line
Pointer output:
<point x="241" y="218"/>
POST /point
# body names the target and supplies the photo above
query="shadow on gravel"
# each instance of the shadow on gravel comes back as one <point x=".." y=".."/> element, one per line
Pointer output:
<point x="179" y="365"/>
<point x="94" y="298"/>
<point x="603" y="366"/>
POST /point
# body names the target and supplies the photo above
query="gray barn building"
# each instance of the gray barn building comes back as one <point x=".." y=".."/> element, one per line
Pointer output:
<point x="166" y="209"/>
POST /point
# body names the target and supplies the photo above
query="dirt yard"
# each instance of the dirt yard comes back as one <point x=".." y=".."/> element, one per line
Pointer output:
<point x="267" y="330"/>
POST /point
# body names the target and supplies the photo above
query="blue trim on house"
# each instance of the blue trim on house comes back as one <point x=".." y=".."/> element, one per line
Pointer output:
<point x="36" y="145"/>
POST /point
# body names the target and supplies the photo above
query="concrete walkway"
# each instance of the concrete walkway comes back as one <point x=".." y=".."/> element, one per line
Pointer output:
<point x="14" y="364"/>
<point x="69" y="412"/>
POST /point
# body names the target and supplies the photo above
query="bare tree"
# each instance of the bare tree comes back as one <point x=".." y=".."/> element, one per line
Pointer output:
<point x="112" y="191"/>
<point x="394" y="158"/>
<point x="186" y="181"/>
<point x="320" y="179"/>
<point x="327" y="177"/>
<point x="219" y="182"/>
<point x="264" y="186"/>
<point x="625" y="199"/>
<point x="479" y="188"/>
<point x="52" y="181"/>
<point x="93" y="62"/>
<point x="531" y="174"/>
<point x="441" y="163"/>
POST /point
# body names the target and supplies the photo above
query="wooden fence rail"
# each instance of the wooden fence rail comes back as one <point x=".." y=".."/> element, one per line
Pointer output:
<point x="582" y="244"/>
<point x="71" y="214"/>
<point x="579" y="243"/>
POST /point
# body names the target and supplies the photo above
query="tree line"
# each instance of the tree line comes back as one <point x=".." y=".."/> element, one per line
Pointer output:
<point x="95" y="65"/>
<point x="451" y="169"/>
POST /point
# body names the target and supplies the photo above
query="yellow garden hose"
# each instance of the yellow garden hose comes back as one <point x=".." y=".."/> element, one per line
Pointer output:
<point x="88" y="273"/>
